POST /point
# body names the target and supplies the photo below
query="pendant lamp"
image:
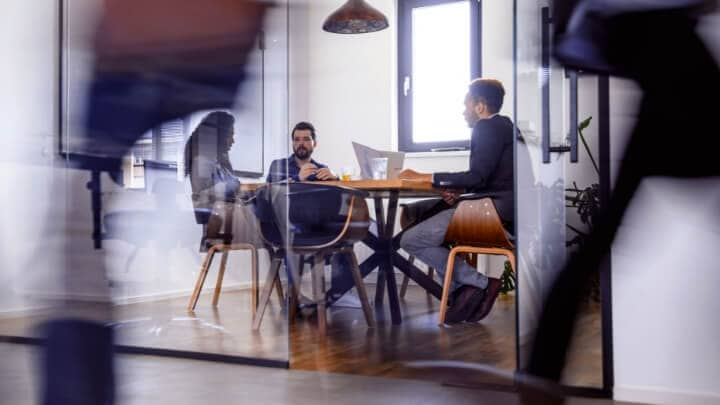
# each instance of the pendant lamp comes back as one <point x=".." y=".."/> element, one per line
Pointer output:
<point x="355" y="17"/>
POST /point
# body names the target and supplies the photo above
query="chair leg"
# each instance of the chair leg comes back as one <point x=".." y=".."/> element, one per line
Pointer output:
<point x="279" y="290"/>
<point x="451" y="262"/>
<point x="201" y="279"/>
<point x="267" y="290"/>
<point x="318" y="282"/>
<point x="255" y="275"/>
<point x="446" y="285"/>
<point x="294" y="278"/>
<point x="406" y="279"/>
<point x="431" y="272"/>
<point x="221" y="274"/>
<point x="360" y="286"/>
<point x="511" y="257"/>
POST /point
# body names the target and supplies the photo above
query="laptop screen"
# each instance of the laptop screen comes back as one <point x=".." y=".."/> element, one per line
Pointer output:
<point x="365" y="155"/>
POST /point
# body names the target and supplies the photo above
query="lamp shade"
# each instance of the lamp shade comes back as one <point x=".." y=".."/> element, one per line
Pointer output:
<point x="355" y="17"/>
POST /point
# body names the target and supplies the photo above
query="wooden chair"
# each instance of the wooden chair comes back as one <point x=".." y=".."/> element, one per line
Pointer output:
<point x="336" y="236"/>
<point x="405" y="221"/>
<point x="475" y="228"/>
<point x="217" y="237"/>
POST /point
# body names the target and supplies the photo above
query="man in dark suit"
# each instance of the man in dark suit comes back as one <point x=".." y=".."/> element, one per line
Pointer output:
<point x="300" y="166"/>
<point x="490" y="175"/>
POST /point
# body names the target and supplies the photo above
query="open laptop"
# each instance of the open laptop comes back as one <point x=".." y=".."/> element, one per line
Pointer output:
<point x="365" y="155"/>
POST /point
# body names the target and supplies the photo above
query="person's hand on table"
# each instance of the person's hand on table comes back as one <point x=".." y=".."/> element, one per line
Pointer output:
<point x="409" y="174"/>
<point x="306" y="171"/>
<point x="325" y="174"/>
<point x="450" y="196"/>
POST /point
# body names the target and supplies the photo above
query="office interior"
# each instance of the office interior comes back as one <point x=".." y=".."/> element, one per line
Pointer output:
<point x="644" y="333"/>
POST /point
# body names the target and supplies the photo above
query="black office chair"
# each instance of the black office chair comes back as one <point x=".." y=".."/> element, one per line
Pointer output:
<point x="322" y="220"/>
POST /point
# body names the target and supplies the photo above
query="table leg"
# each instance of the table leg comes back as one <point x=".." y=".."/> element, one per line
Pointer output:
<point x="382" y="236"/>
<point x="392" y="290"/>
<point x="344" y="284"/>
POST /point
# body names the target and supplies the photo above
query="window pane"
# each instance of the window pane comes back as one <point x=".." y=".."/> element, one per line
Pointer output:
<point x="172" y="136"/>
<point x="441" y="71"/>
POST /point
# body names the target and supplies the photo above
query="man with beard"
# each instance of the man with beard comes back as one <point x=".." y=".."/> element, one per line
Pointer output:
<point x="299" y="166"/>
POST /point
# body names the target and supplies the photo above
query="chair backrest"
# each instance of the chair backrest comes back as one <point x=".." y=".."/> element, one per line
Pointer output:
<point x="404" y="218"/>
<point x="477" y="223"/>
<point x="319" y="215"/>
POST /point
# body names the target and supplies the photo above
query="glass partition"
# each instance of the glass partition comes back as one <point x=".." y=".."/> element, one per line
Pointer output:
<point x="557" y="194"/>
<point x="180" y="247"/>
<point x="161" y="244"/>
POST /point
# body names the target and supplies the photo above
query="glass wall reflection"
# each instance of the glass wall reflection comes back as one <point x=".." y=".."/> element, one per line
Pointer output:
<point x="557" y="198"/>
<point x="195" y="241"/>
<point x="159" y="243"/>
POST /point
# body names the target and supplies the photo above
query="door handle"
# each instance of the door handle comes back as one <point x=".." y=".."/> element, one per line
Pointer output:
<point x="545" y="66"/>
<point x="573" y="77"/>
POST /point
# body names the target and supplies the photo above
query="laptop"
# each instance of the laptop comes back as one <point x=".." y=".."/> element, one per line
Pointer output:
<point x="366" y="154"/>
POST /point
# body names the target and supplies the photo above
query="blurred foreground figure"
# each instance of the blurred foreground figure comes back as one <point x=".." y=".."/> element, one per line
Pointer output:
<point x="654" y="43"/>
<point x="155" y="60"/>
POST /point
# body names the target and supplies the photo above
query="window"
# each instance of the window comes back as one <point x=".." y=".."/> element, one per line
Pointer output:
<point x="438" y="55"/>
<point x="163" y="144"/>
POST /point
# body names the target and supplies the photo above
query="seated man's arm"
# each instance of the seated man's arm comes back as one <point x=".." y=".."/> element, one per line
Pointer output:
<point x="485" y="155"/>
<point x="324" y="173"/>
<point x="307" y="173"/>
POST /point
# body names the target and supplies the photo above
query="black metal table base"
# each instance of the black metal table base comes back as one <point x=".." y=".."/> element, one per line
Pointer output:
<point x="386" y="258"/>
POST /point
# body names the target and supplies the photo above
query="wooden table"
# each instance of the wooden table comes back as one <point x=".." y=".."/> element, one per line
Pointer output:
<point x="385" y="244"/>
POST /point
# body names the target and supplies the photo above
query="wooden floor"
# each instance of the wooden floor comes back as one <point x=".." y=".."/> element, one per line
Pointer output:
<point x="157" y="380"/>
<point x="396" y="351"/>
<point x="387" y="350"/>
<point x="350" y="346"/>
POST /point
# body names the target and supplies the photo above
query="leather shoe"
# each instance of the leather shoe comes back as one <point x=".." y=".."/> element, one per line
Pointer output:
<point x="454" y="296"/>
<point x="466" y="303"/>
<point x="491" y="292"/>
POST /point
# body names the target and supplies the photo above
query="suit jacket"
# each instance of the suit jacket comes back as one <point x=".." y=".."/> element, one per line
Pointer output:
<point x="283" y="169"/>
<point x="491" y="166"/>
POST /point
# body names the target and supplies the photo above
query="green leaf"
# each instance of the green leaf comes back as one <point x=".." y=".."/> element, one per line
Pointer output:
<point x="584" y="123"/>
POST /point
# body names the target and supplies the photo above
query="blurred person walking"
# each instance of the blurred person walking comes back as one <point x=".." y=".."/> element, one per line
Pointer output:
<point x="654" y="43"/>
<point x="155" y="60"/>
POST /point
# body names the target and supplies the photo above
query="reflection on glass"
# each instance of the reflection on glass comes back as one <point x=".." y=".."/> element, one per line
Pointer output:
<point x="121" y="237"/>
<point x="542" y="188"/>
<point x="441" y="71"/>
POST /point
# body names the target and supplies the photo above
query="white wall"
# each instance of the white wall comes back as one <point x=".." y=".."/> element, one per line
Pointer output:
<point x="343" y="84"/>
<point x="665" y="279"/>
<point x="27" y="77"/>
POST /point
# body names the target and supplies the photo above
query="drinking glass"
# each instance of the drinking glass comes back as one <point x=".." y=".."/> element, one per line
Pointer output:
<point x="346" y="173"/>
<point x="379" y="168"/>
